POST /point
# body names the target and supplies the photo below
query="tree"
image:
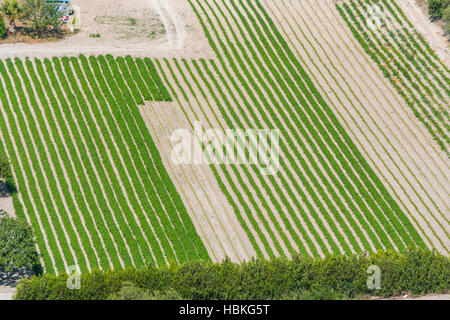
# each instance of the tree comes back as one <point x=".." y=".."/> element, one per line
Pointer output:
<point x="17" y="246"/>
<point x="436" y="8"/>
<point x="446" y="21"/>
<point x="42" y="15"/>
<point x="5" y="168"/>
<point x="12" y="10"/>
<point x="3" y="30"/>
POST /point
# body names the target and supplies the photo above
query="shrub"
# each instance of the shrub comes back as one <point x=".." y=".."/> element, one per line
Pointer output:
<point x="436" y="8"/>
<point x="335" y="277"/>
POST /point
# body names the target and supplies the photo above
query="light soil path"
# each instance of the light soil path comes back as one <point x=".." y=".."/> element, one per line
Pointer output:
<point x="131" y="27"/>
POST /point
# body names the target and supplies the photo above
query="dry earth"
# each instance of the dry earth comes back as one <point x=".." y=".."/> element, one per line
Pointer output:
<point x="153" y="28"/>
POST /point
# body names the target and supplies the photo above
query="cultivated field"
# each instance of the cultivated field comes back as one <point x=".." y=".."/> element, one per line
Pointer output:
<point x="363" y="116"/>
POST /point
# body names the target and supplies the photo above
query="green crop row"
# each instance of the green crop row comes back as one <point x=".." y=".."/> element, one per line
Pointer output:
<point x="383" y="58"/>
<point x="76" y="231"/>
<point x="374" y="52"/>
<point x="81" y="116"/>
<point x="387" y="206"/>
<point x="183" y="235"/>
<point x="66" y="147"/>
<point x="113" y="111"/>
<point x="25" y="179"/>
<point x="411" y="68"/>
<point x="369" y="47"/>
<point x="310" y="38"/>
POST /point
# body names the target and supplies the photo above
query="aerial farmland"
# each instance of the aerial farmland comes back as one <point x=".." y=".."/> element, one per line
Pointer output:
<point x="156" y="133"/>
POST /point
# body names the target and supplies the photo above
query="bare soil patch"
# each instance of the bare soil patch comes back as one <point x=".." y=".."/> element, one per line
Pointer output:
<point x="156" y="28"/>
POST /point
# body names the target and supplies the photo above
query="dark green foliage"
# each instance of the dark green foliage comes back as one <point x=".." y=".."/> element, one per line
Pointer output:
<point x="42" y="16"/>
<point x="436" y="8"/>
<point x="17" y="246"/>
<point x="3" y="31"/>
<point x="130" y="291"/>
<point x="417" y="271"/>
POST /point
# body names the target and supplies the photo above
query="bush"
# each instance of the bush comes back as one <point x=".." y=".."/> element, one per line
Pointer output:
<point x="17" y="246"/>
<point x="335" y="277"/>
<point x="3" y="30"/>
<point x="436" y="8"/>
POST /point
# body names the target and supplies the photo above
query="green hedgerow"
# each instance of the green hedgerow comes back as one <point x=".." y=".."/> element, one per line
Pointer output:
<point x="415" y="272"/>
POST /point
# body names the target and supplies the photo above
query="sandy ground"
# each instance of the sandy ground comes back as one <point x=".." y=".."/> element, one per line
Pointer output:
<point x="7" y="205"/>
<point x="136" y="27"/>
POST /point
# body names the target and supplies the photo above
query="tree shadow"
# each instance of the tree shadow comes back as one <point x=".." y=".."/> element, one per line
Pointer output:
<point x="11" y="279"/>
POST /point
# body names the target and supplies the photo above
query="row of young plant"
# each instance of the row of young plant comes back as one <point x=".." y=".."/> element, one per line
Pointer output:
<point x="403" y="68"/>
<point x="212" y="216"/>
<point x="331" y="115"/>
<point x="281" y="81"/>
<point x="195" y="117"/>
<point x="329" y="278"/>
<point x="202" y="72"/>
<point x="255" y="121"/>
<point x="321" y="117"/>
<point x="386" y="56"/>
<point x="439" y="114"/>
<point x="107" y="108"/>
<point x="85" y="181"/>
<point x="382" y="58"/>
<point x="285" y="88"/>
<point x="138" y="194"/>
<point x="410" y="64"/>
<point x="414" y="47"/>
<point x="134" y="238"/>
<point x="50" y="205"/>
<point x="24" y="177"/>
<point x="309" y="38"/>
<point x="57" y="115"/>
<point x="176" y="214"/>
<point x="223" y="183"/>
<point x="73" y="134"/>
<point x="241" y="182"/>
<point x="119" y="234"/>
<point x="71" y="221"/>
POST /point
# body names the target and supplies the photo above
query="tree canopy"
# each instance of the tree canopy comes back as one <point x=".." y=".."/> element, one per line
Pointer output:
<point x="17" y="245"/>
